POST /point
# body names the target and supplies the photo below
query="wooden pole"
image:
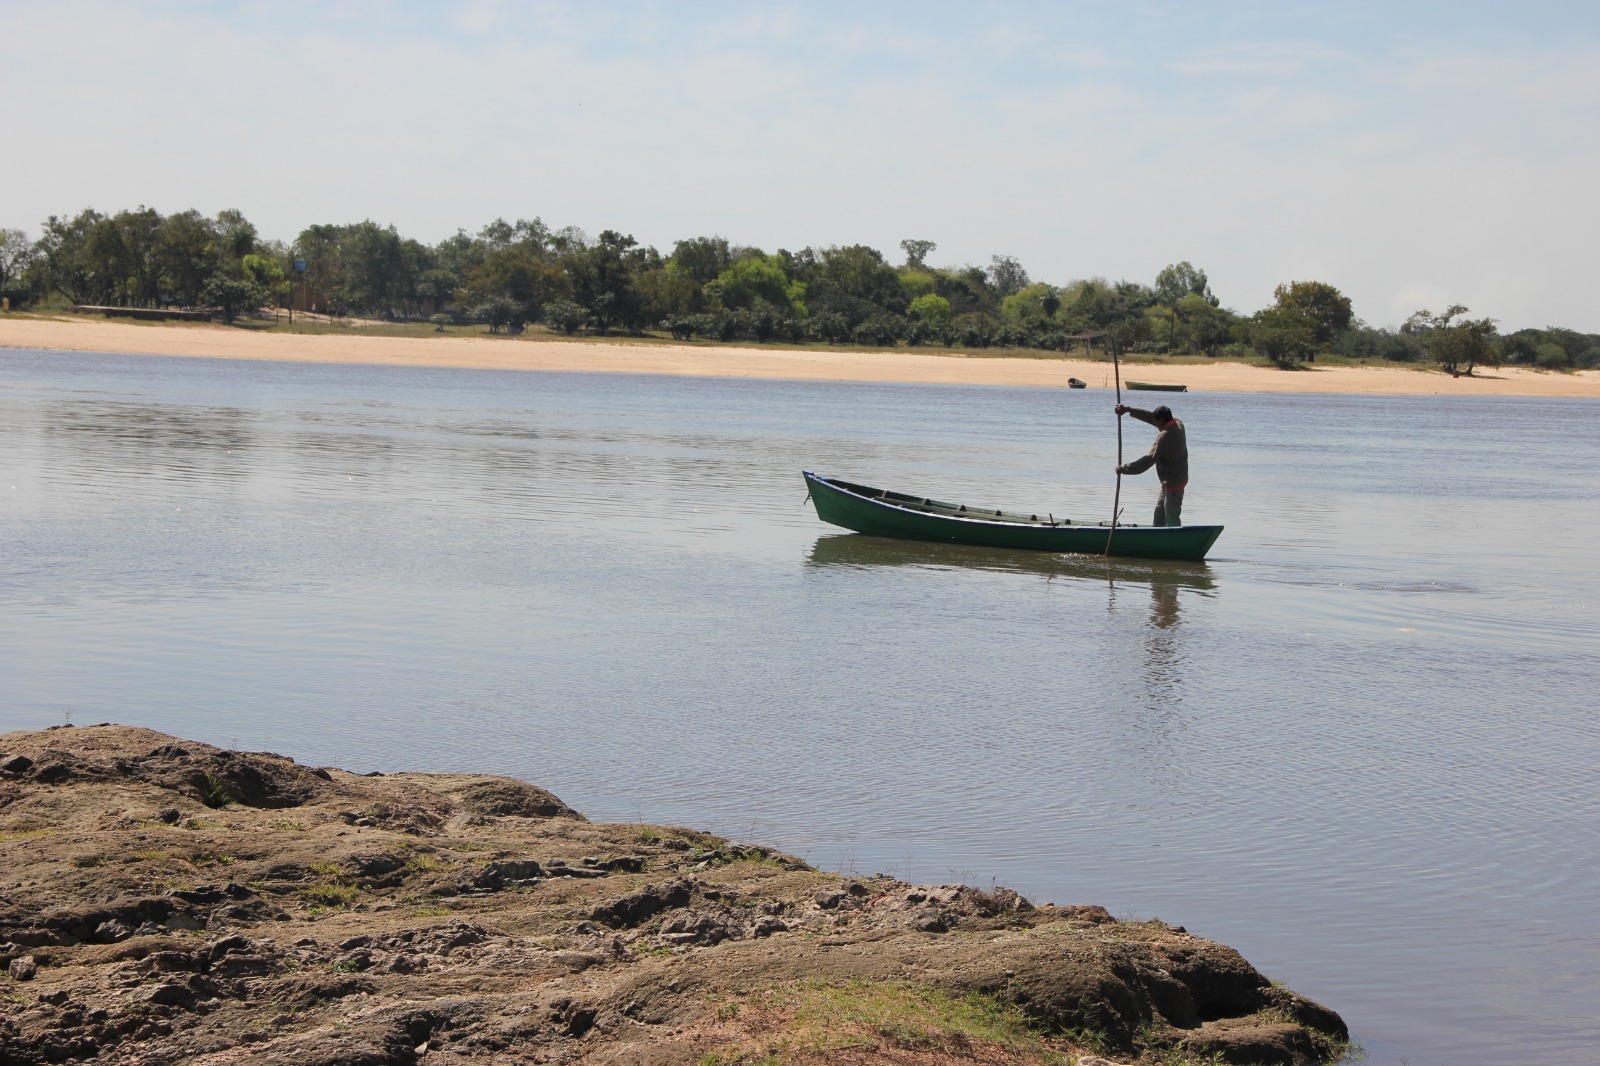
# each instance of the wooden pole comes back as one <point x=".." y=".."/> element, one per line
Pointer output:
<point x="1116" y="499"/>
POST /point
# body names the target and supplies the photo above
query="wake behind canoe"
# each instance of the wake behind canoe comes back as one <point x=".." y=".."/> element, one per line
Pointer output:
<point x="883" y="513"/>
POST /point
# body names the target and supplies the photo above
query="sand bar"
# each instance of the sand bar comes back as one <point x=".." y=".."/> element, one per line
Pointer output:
<point x="623" y="356"/>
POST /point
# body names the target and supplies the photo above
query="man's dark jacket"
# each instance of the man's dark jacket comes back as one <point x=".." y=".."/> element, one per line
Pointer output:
<point x="1169" y="454"/>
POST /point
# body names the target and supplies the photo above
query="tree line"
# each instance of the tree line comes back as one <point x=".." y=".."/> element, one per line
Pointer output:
<point x="510" y="275"/>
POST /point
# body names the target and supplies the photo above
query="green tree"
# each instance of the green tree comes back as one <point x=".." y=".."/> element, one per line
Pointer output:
<point x="830" y="326"/>
<point x="880" y="331"/>
<point x="933" y="311"/>
<point x="416" y="259"/>
<point x="319" y="246"/>
<point x="1361" y="341"/>
<point x="667" y="292"/>
<point x="972" y="330"/>
<point x="232" y="295"/>
<point x="1548" y="355"/>
<point x="266" y="272"/>
<point x="236" y="234"/>
<point x="531" y="236"/>
<point x="968" y="290"/>
<point x="1207" y="327"/>
<point x="1283" y="336"/>
<point x="1117" y="310"/>
<point x="566" y="316"/>
<point x="1457" y="346"/>
<point x="1323" y="306"/>
<point x="68" y="266"/>
<point x="1463" y="346"/>
<point x="1028" y="307"/>
<point x="188" y="256"/>
<point x="517" y="275"/>
<point x="1179" y="280"/>
<point x="1161" y="323"/>
<point x="1007" y="275"/>
<point x="108" y="257"/>
<point x="917" y="252"/>
<point x="757" y="278"/>
<point x="17" y="255"/>
<point x="602" y="281"/>
<point x="374" y="274"/>
<point x="916" y="282"/>
<point x="437" y="286"/>
<point x="853" y="280"/>
<point x="500" y="312"/>
<point x="363" y="268"/>
<point x="702" y="259"/>
<point x="460" y="253"/>
<point x="123" y="249"/>
<point x="1552" y="348"/>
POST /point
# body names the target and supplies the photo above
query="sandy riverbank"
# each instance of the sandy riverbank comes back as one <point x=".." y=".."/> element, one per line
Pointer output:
<point x="622" y="356"/>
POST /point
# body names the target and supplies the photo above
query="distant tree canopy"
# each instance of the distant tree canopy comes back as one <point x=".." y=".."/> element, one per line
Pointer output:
<point x="1456" y="342"/>
<point x="932" y="310"/>
<point x="508" y="275"/>
<point x="755" y="279"/>
<point x="1324" y="308"/>
<point x="1280" y="334"/>
<point x="1179" y="281"/>
<point x="16" y="256"/>
<point x="917" y="252"/>
<point x="1007" y="275"/>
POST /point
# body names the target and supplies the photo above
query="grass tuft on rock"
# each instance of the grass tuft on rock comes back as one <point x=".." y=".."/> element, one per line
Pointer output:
<point x="214" y="792"/>
<point x="808" y="1021"/>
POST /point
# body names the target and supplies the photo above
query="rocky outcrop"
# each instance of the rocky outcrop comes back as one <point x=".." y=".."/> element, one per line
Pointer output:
<point x="164" y="901"/>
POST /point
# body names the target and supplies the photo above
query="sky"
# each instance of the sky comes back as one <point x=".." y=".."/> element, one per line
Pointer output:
<point x="1413" y="154"/>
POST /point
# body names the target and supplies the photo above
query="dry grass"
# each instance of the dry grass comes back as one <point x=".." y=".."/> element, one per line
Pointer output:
<point x="813" y="1022"/>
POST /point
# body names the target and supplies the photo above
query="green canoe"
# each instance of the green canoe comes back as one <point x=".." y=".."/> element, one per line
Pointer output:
<point x="894" y="514"/>
<point x="1147" y="386"/>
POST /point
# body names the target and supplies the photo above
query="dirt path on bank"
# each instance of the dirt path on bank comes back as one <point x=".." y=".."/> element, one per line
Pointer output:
<point x="621" y="356"/>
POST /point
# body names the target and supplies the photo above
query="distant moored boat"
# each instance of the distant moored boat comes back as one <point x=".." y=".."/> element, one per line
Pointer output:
<point x="1145" y="386"/>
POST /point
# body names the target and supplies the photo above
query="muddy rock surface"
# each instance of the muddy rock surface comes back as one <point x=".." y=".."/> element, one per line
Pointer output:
<point x="165" y="901"/>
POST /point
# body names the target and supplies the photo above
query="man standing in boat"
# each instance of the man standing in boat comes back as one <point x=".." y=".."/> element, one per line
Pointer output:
<point x="1169" y="455"/>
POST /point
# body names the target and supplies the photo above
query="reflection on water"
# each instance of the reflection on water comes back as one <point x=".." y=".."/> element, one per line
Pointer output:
<point x="1362" y="727"/>
<point x="1163" y="578"/>
<point x="1163" y="604"/>
<point x="857" y="549"/>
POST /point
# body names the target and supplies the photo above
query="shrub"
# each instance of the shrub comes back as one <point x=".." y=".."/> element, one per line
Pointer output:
<point x="1550" y="356"/>
<point x="830" y="326"/>
<point x="498" y="311"/>
<point x="232" y="296"/>
<point x="566" y="316"/>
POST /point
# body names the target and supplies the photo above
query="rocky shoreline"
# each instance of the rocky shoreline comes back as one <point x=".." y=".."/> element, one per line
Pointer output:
<point x="166" y="901"/>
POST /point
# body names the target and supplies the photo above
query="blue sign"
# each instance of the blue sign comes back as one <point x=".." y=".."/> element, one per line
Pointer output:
<point x="299" y="266"/>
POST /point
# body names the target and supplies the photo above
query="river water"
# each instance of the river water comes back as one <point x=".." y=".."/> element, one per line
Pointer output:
<point x="1359" y="744"/>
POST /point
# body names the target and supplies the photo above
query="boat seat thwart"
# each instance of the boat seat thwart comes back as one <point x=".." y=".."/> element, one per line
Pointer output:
<point x="884" y="513"/>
